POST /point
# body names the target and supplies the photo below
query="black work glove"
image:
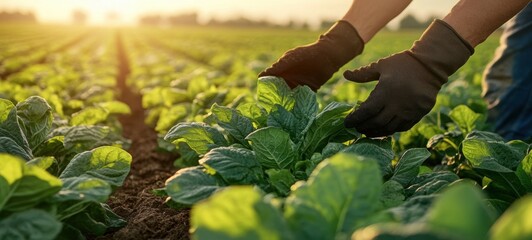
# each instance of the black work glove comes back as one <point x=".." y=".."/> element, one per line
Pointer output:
<point x="314" y="64"/>
<point x="408" y="81"/>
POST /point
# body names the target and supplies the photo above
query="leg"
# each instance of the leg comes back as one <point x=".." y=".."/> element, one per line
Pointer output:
<point x="507" y="86"/>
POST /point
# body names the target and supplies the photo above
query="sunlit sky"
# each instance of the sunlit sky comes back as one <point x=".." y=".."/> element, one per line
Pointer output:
<point x="279" y="11"/>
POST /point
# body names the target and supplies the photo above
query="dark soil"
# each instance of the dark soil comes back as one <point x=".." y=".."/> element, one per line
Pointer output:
<point x="147" y="215"/>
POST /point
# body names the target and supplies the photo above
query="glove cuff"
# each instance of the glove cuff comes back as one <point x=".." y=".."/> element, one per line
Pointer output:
<point x="441" y="49"/>
<point x="344" y="42"/>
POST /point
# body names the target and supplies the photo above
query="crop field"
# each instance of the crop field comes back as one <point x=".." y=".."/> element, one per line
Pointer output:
<point x="167" y="133"/>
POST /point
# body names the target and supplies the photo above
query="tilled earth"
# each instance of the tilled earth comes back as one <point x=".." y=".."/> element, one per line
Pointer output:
<point x="147" y="215"/>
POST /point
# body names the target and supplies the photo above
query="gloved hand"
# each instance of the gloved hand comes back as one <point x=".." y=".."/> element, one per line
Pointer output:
<point x="314" y="64"/>
<point x="408" y="81"/>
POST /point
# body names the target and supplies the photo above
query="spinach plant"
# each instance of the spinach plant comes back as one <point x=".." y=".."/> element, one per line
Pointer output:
<point x="271" y="143"/>
<point x="55" y="185"/>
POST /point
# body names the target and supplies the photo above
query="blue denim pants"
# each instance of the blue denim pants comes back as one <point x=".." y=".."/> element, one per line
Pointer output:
<point x="507" y="85"/>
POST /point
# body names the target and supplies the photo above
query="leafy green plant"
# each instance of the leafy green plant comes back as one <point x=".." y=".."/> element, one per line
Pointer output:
<point x="271" y="144"/>
<point x="345" y="195"/>
<point x="346" y="198"/>
<point x="54" y="185"/>
<point x="28" y="130"/>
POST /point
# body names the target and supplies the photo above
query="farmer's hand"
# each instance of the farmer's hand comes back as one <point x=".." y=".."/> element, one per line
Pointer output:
<point x="408" y="81"/>
<point x="314" y="64"/>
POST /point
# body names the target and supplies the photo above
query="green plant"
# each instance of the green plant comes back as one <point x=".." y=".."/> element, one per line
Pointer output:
<point x="53" y="185"/>
<point x="271" y="144"/>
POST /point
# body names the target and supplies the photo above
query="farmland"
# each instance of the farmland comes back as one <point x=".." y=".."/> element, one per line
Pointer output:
<point x="138" y="133"/>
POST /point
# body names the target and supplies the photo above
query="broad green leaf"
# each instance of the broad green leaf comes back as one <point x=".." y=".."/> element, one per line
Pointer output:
<point x="332" y="148"/>
<point x="393" y="194"/>
<point x="199" y="136"/>
<point x="233" y="122"/>
<point x="36" y="117"/>
<point x="198" y="86"/>
<point x="5" y="108"/>
<point x="465" y="118"/>
<point x="273" y="90"/>
<point x="7" y="145"/>
<point x="190" y="185"/>
<point x="487" y="136"/>
<point x="430" y="183"/>
<point x="447" y="142"/>
<point x="519" y="146"/>
<point x="115" y="107"/>
<point x="171" y="116"/>
<point x="491" y="155"/>
<point x="273" y="147"/>
<point x="282" y="118"/>
<point x="396" y="231"/>
<point x="84" y="138"/>
<point x="413" y="209"/>
<point x="51" y="147"/>
<point x="515" y="223"/>
<point x="524" y="177"/>
<point x="461" y="210"/>
<point x="306" y="105"/>
<point x="429" y="130"/>
<point x="234" y="165"/>
<point x="83" y="189"/>
<point x="238" y="213"/>
<point x="408" y="166"/>
<point x="339" y="197"/>
<point x="187" y="156"/>
<point x="56" y="103"/>
<point x="33" y="224"/>
<point x="11" y="170"/>
<point x="35" y="185"/>
<point x="89" y="116"/>
<point x="498" y="206"/>
<point x="253" y="112"/>
<point x="42" y="162"/>
<point x="504" y="185"/>
<point x="305" y="109"/>
<point x="164" y="96"/>
<point x="329" y="122"/>
<point x="10" y="129"/>
<point x="281" y="180"/>
<point x="110" y="164"/>
<point x="95" y="220"/>
<point x="498" y="161"/>
<point x="383" y="156"/>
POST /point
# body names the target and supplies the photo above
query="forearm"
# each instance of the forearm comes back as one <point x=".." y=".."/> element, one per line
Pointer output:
<point x="475" y="20"/>
<point x="370" y="16"/>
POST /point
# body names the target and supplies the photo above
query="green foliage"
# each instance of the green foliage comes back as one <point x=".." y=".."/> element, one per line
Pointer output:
<point x="313" y="211"/>
<point x="272" y="154"/>
<point x="191" y="185"/>
<point x="32" y="224"/>
<point x="318" y="211"/>
<point x="54" y="182"/>
<point x="514" y="224"/>
<point x="257" y="217"/>
<point x="199" y="137"/>
<point x="408" y="166"/>
<point x="273" y="147"/>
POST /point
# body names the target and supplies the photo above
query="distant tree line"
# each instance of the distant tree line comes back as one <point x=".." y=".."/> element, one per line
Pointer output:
<point x="22" y="17"/>
<point x="176" y="19"/>
<point x="191" y="19"/>
<point x="411" y="22"/>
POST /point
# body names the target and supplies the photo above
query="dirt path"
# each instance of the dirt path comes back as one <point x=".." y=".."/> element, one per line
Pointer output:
<point x="147" y="216"/>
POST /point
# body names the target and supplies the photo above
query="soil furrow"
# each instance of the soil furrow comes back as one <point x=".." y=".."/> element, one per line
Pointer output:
<point x="147" y="215"/>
